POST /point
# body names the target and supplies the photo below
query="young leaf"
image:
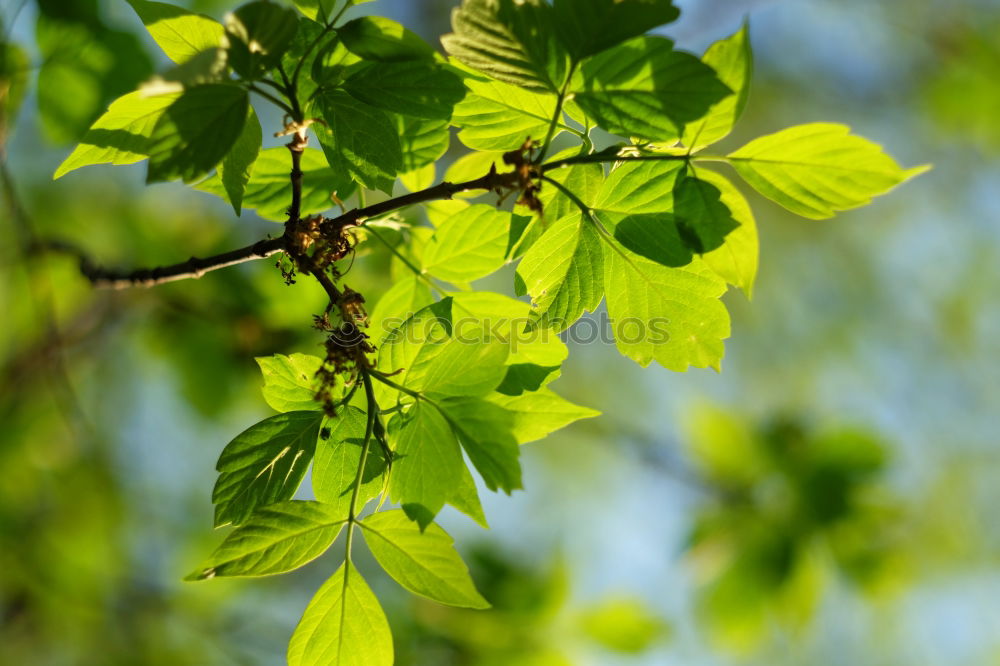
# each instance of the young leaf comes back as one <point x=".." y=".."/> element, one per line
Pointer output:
<point x="587" y="27"/>
<point x="196" y="132"/>
<point x="640" y="187"/>
<point x="817" y="169"/>
<point x="538" y="414"/>
<point x="423" y="142"/>
<point x="736" y="260"/>
<point x="465" y="498"/>
<point x="419" y="88"/>
<point x="509" y="40"/>
<point x="469" y="245"/>
<point x="509" y="321"/>
<point x="237" y="166"/>
<point x="499" y="116"/>
<point x="668" y="315"/>
<point x="732" y="60"/>
<point x="644" y="88"/>
<point x="264" y="464"/>
<point x="121" y="135"/>
<point x="405" y="298"/>
<point x="277" y="538"/>
<point x="338" y="454"/>
<point x="378" y="38"/>
<point x="322" y="10"/>
<point x="269" y="187"/>
<point x="703" y="218"/>
<point x="423" y="561"/>
<point x="181" y="34"/>
<point x="428" y="463"/>
<point x="583" y="180"/>
<point x="484" y="430"/>
<point x="258" y="34"/>
<point x="290" y="382"/>
<point x="563" y="272"/>
<point x="359" y="140"/>
<point x="343" y="626"/>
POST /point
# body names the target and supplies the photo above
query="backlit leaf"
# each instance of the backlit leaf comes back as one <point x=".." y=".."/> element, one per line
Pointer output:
<point x="121" y="135"/>
<point x="817" y="169"/>
<point x="290" y="382"/>
<point x="732" y="60"/>
<point x="196" y="132"/>
<point x="510" y="40"/>
<point x="423" y="561"/>
<point x="277" y="538"/>
<point x="359" y="140"/>
<point x="343" y="625"/>
<point x="264" y="464"/>
<point x="181" y="34"/>
<point x="644" y="88"/>
<point x="428" y="463"/>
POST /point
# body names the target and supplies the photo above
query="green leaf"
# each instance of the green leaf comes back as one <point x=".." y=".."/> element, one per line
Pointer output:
<point x="588" y="27"/>
<point x="583" y="180"/>
<point x="401" y="302"/>
<point x="269" y="189"/>
<point x="510" y="40"/>
<point x="181" y="34"/>
<point x="121" y="135"/>
<point x="703" y="218"/>
<point x="237" y="166"/>
<point x="640" y="187"/>
<point x="425" y="562"/>
<point x="644" y="88"/>
<point x="524" y="377"/>
<point x="537" y="414"/>
<point x="322" y="10"/>
<point x="427" y="465"/>
<point x="563" y="272"/>
<point x="196" y="132"/>
<point x="465" y="498"/>
<point x="378" y="38"/>
<point x="422" y="177"/>
<point x="499" y="116"/>
<point x="436" y="354"/>
<point x="422" y="142"/>
<point x="210" y="66"/>
<point x="668" y="315"/>
<point x="655" y="236"/>
<point x="263" y="465"/>
<point x="732" y="60"/>
<point x="817" y="169"/>
<point x="338" y="454"/>
<point x="343" y="625"/>
<point x="419" y="88"/>
<point x="484" y="430"/>
<point x="508" y="321"/>
<point x="83" y="68"/>
<point x="359" y="140"/>
<point x="736" y="260"/>
<point x="258" y="34"/>
<point x="290" y="382"/>
<point x="278" y="538"/>
<point x="469" y="245"/>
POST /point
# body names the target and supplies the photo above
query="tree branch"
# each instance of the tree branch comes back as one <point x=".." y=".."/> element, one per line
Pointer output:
<point x="105" y="278"/>
<point x="193" y="268"/>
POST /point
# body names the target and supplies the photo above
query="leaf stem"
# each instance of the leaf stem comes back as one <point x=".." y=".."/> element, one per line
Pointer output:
<point x="601" y="157"/>
<point x="271" y="98"/>
<point x="406" y="262"/>
<point x="365" y="447"/>
<point x="558" y="113"/>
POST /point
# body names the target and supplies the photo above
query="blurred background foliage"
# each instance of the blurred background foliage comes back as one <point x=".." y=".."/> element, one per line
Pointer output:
<point x="830" y="498"/>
